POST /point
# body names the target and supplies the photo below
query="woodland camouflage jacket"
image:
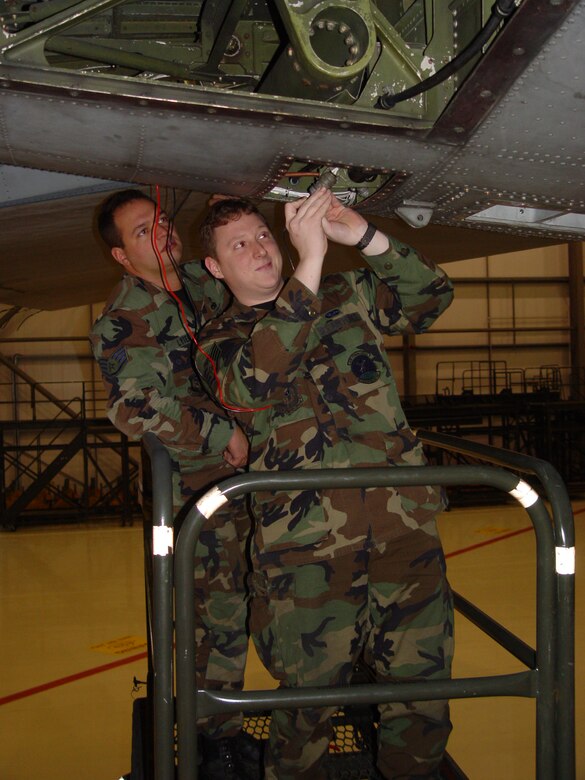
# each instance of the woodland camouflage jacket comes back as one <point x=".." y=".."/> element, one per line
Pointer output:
<point x="144" y="355"/>
<point x="319" y="364"/>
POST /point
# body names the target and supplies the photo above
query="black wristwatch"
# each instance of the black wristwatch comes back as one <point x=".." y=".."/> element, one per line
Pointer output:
<point x="367" y="237"/>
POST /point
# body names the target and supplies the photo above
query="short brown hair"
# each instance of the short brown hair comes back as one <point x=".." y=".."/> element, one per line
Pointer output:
<point x="222" y="212"/>
<point x="105" y="221"/>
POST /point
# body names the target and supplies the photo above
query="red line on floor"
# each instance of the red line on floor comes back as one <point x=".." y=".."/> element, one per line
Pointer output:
<point x="488" y="541"/>
<point x="71" y="678"/>
<point x="123" y="661"/>
<point x="498" y="538"/>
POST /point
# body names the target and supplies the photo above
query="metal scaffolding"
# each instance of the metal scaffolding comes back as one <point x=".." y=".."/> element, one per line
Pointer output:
<point x="549" y="678"/>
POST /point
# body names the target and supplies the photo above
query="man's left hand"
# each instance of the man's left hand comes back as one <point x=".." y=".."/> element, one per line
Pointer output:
<point x="345" y="226"/>
<point x="236" y="452"/>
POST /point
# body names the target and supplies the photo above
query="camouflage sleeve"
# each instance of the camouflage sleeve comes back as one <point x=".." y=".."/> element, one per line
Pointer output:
<point x="254" y="363"/>
<point x="210" y="296"/>
<point x="406" y="292"/>
<point x="142" y="390"/>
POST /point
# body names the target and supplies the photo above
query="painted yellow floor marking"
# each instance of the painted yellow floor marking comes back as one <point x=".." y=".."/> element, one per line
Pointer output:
<point x="125" y="644"/>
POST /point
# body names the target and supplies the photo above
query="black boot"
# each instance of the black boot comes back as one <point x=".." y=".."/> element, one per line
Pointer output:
<point x="230" y="758"/>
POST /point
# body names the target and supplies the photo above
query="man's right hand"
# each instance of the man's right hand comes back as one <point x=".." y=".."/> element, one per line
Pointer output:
<point x="236" y="452"/>
<point x="304" y="222"/>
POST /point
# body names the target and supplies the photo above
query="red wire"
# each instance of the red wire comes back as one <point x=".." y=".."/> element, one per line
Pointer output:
<point x="183" y="316"/>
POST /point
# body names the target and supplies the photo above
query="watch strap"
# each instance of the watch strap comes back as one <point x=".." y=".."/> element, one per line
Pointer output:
<point x="367" y="237"/>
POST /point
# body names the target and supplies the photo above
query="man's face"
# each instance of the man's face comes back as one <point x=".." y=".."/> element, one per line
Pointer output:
<point x="135" y="224"/>
<point x="248" y="259"/>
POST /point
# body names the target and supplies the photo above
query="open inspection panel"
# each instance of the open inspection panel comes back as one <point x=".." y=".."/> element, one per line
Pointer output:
<point x="549" y="675"/>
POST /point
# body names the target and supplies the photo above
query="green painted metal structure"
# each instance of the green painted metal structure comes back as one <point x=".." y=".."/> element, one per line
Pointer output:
<point x="549" y="677"/>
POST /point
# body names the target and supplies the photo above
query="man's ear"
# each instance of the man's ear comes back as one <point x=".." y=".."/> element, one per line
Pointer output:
<point x="119" y="255"/>
<point x="213" y="267"/>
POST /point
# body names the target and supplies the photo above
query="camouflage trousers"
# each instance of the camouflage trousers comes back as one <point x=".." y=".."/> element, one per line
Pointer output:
<point x="311" y="623"/>
<point x="221" y="602"/>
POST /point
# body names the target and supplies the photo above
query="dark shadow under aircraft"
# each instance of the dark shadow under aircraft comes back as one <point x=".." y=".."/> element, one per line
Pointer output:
<point x="458" y="125"/>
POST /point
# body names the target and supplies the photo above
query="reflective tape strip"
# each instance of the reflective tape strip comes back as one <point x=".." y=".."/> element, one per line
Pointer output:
<point x="524" y="494"/>
<point x="210" y="502"/>
<point x="162" y="540"/>
<point x="565" y="560"/>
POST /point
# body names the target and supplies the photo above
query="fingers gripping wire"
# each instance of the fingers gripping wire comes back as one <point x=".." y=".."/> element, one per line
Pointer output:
<point x="181" y="308"/>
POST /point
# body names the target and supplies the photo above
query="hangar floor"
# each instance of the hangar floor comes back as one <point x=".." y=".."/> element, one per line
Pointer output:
<point x="73" y="643"/>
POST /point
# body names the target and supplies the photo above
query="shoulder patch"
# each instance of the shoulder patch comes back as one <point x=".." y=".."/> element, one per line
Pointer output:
<point x="112" y="364"/>
<point x="363" y="367"/>
<point x="291" y="401"/>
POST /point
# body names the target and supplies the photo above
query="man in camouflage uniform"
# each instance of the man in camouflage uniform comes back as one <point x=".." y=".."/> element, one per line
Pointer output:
<point x="336" y="572"/>
<point x="144" y="352"/>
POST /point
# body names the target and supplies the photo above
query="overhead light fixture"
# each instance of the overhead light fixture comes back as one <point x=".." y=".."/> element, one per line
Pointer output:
<point x="543" y="219"/>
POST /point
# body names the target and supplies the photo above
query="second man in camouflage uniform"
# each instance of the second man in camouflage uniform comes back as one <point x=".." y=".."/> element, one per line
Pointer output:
<point x="143" y="348"/>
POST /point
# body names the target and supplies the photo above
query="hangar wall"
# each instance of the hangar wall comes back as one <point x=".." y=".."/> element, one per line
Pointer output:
<point x="513" y="308"/>
<point x="510" y="330"/>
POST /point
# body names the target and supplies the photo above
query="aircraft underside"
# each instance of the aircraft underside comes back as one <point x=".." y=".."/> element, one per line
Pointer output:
<point x="261" y="98"/>
<point x="462" y="114"/>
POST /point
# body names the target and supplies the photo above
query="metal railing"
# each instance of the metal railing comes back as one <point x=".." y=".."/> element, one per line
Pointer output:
<point x="47" y="434"/>
<point x="29" y="472"/>
<point x="549" y="678"/>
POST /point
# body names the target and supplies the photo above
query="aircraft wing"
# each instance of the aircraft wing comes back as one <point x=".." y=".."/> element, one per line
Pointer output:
<point x="262" y="99"/>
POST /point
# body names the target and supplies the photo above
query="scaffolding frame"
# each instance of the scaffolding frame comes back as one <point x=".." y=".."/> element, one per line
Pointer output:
<point x="549" y="678"/>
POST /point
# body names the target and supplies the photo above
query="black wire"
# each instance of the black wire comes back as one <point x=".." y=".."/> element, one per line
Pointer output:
<point x="500" y="10"/>
<point x="176" y="265"/>
<point x="176" y="208"/>
<point x="286" y="249"/>
<point x="195" y="312"/>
